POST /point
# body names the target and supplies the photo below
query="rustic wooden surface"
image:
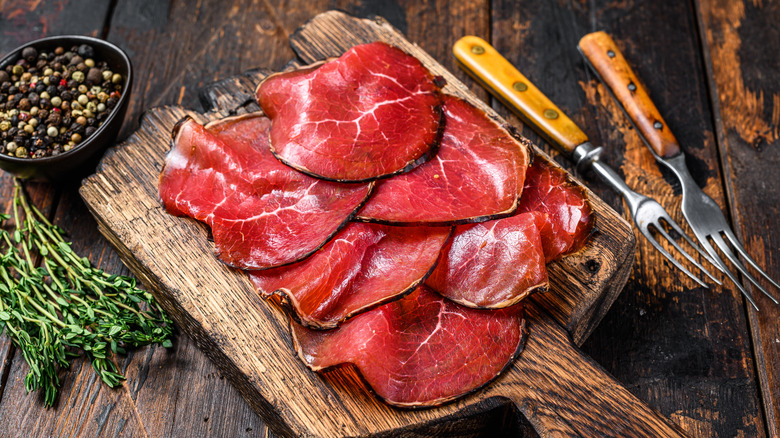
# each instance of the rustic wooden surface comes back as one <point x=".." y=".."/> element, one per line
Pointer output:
<point x="698" y="356"/>
<point x="549" y="383"/>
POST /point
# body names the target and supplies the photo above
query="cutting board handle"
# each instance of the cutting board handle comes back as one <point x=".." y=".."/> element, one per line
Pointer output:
<point x="563" y="392"/>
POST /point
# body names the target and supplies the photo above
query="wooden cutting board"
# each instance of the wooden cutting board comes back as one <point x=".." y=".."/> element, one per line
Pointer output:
<point x="559" y="390"/>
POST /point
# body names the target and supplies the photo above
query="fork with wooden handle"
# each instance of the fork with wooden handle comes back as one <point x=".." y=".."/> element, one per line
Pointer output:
<point x="503" y="80"/>
<point x="703" y="214"/>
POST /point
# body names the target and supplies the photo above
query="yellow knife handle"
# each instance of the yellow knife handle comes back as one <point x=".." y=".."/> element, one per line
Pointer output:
<point x="503" y="80"/>
<point x="610" y="65"/>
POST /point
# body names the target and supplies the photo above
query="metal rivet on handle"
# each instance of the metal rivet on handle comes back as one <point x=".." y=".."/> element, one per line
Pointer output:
<point x="631" y="86"/>
<point x="610" y="53"/>
<point x="520" y="86"/>
<point x="551" y="114"/>
<point x="477" y="50"/>
<point x="658" y="125"/>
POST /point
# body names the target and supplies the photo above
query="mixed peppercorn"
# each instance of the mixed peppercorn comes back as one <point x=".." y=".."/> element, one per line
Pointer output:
<point x="52" y="101"/>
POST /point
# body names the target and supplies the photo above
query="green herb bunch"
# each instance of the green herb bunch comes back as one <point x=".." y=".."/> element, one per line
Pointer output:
<point x="63" y="304"/>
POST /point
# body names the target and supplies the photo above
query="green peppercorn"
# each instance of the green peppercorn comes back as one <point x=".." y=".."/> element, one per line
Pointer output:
<point x="48" y="72"/>
<point x="52" y="131"/>
<point x="107" y="75"/>
<point x="45" y="95"/>
<point x="5" y="125"/>
<point x="67" y="147"/>
<point x="46" y="80"/>
<point x="102" y="97"/>
<point x="21" y="152"/>
<point x="101" y="107"/>
<point x="17" y="70"/>
<point x="56" y="101"/>
<point x="29" y="128"/>
<point x="75" y="105"/>
<point x="11" y="146"/>
<point x="89" y="62"/>
<point x="88" y="114"/>
<point x="33" y="122"/>
<point x="116" y="78"/>
<point x="77" y="76"/>
<point x="82" y="88"/>
<point x="83" y="99"/>
<point x="95" y="90"/>
<point x="91" y="107"/>
<point x="34" y="111"/>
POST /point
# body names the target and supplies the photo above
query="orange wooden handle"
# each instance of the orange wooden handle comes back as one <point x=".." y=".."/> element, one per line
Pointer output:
<point x="611" y="66"/>
<point x="502" y="79"/>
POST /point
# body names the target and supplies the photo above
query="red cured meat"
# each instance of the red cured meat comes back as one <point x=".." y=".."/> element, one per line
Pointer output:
<point x="477" y="174"/>
<point x="421" y="350"/>
<point x="363" y="266"/>
<point x="492" y="264"/>
<point x="262" y="213"/>
<point x="569" y="215"/>
<point x="374" y="111"/>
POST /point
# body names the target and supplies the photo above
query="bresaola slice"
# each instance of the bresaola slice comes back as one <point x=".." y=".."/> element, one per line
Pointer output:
<point x="568" y="212"/>
<point x="262" y="213"/>
<point x="492" y="264"/>
<point x="477" y="175"/>
<point x="363" y="266"/>
<point x="374" y="111"/>
<point x="422" y="350"/>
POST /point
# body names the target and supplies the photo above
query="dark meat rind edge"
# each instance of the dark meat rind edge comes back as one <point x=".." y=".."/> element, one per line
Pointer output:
<point x="290" y="308"/>
<point x="432" y="150"/>
<point x="430" y="404"/>
<point x="347" y="219"/>
<point x="539" y="288"/>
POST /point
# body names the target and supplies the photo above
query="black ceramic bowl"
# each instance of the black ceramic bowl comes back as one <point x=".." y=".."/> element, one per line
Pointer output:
<point x="83" y="158"/>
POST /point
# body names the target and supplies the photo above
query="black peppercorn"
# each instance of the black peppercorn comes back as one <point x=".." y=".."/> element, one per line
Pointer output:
<point x="86" y="51"/>
<point x="90" y="130"/>
<point x="52" y="90"/>
<point x="24" y="104"/>
<point x="111" y="102"/>
<point x="4" y="76"/>
<point x="29" y="53"/>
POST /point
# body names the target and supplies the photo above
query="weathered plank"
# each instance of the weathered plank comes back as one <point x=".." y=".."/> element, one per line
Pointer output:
<point x="744" y="90"/>
<point x="682" y="348"/>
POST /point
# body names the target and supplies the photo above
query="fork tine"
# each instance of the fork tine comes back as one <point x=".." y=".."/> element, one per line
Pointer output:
<point x="644" y="230"/>
<point x="741" y="250"/>
<point x="679" y="231"/>
<point x="706" y="244"/>
<point x="733" y="259"/>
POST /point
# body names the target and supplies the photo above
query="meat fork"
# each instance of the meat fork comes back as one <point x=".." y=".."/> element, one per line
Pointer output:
<point x="702" y="213"/>
<point x="503" y="80"/>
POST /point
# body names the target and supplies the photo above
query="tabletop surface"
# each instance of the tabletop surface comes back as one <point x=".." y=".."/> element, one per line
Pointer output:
<point x="701" y="357"/>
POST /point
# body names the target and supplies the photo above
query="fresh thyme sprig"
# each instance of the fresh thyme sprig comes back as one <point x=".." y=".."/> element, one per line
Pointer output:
<point x="63" y="304"/>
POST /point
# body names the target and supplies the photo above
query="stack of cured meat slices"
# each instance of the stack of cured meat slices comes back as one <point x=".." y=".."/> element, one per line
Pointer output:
<point x="399" y="226"/>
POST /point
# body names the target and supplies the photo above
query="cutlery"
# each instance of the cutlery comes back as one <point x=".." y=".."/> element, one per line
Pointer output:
<point x="503" y="80"/>
<point x="702" y="213"/>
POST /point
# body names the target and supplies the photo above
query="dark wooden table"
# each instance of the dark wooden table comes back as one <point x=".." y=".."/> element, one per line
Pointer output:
<point x="701" y="357"/>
